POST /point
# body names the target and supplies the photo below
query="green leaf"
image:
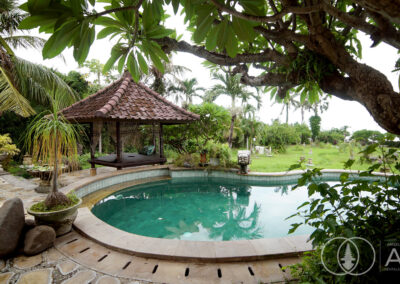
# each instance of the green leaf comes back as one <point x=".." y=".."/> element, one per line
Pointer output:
<point x="133" y="67"/>
<point x="107" y="31"/>
<point x="211" y="41"/>
<point x="243" y="29"/>
<point x="116" y="53"/>
<point x="158" y="32"/>
<point x="175" y="5"/>
<point x="37" y="20"/>
<point x="205" y="19"/>
<point x="222" y="36"/>
<point x="60" y="40"/>
<point x="121" y="63"/>
<point x="142" y="63"/>
<point x="231" y="43"/>
<point x="108" y="22"/>
<point x="82" y="46"/>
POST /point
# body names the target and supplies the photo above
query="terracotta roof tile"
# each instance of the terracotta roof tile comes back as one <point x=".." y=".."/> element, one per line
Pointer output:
<point x="126" y="100"/>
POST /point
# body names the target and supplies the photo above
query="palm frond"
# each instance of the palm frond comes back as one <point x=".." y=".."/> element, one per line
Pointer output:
<point x="9" y="21"/>
<point x="40" y="83"/>
<point x="25" y="41"/>
<point x="11" y="99"/>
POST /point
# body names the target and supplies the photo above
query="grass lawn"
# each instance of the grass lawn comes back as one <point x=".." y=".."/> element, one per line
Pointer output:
<point x="325" y="156"/>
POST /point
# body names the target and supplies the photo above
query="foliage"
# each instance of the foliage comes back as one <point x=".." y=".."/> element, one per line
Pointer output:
<point x="188" y="88"/>
<point x="41" y="206"/>
<point x="221" y="151"/>
<point x="22" y="82"/>
<point x="190" y="138"/>
<point x="315" y="125"/>
<point x="304" y="132"/>
<point x="353" y="207"/>
<point x="365" y="136"/>
<point x="279" y="135"/>
<point x="6" y="147"/>
<point x="185" y="159"/>
<point x="333" y="136"/>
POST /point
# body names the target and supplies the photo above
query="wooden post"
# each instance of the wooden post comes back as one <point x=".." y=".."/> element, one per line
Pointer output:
<point x="92" y="151"/>
<point x="161" y="141"/>
<point x="154" y="135"/>
<point x="119" y="147"/>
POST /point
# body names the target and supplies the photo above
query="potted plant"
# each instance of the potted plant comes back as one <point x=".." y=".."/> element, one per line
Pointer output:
<point x="50" y="137"/>
<point x="220" y="154"/>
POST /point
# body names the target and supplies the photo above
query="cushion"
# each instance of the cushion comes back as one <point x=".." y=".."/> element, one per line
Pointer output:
<point x="150" y="150"/>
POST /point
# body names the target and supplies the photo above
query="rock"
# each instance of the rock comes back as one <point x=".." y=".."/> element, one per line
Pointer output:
<point x="29" y="224"/>
<point x="12" y="220"/>
<point x="85" y="276"/>
<point x="39" y="239"/>
<point x="36" y="276"/>
<point x="25" y="262"/>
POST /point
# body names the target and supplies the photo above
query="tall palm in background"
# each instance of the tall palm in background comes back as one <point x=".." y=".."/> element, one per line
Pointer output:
<point x="23" y="82"/>
<point x="230" y="85"/>
<point x="186" y="90"/>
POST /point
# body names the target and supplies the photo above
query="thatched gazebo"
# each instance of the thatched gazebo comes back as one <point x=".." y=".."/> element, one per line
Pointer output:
<point x="123" y="106"/>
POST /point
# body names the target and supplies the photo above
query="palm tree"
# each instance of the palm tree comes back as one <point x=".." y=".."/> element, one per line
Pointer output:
<point x="188" y="88"/>
<point x="21" y="81"/>
<point x="50" y="137"/>
<point x="230" y="85"/>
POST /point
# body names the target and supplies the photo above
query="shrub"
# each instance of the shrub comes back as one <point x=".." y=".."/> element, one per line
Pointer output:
<point x="220" y="151"/>
<point x="304" y="132"/>
<point x="185" y="158"/>
<point x="7" y="148"/>
<point x="279" y="135"/>
<point x="332" y="136"/>
<point x="365" y="136"/>
<point x="351" y="208"/>
<point x="315" y="125"/>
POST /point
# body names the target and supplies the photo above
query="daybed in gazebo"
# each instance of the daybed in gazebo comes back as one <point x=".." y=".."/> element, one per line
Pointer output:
<point x="123" y="106"/>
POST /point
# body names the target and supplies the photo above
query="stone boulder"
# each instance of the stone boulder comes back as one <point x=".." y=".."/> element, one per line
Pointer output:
<point x="39" y="239"/>
<point x="12" y="221"/>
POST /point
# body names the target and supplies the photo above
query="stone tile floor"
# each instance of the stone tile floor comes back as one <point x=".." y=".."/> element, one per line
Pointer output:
<point x="75" y="259"/>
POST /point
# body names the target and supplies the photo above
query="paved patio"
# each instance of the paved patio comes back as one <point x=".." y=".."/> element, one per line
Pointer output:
<point x="76" y="259"/>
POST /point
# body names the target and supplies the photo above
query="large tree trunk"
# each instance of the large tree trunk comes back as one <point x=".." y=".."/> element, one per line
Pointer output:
<point x="231" y="130"/>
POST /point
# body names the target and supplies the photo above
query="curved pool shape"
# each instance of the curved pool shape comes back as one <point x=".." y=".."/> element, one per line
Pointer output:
<point x="204" y="209"/>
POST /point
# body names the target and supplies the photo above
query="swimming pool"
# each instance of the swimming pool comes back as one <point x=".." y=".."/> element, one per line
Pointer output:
<point x="204" y="209"/>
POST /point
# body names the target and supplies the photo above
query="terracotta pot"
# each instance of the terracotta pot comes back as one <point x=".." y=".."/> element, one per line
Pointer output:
<point x="61" y="220"/>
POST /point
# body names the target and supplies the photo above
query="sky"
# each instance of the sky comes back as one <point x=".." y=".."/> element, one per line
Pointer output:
<point x="340" y="113"/>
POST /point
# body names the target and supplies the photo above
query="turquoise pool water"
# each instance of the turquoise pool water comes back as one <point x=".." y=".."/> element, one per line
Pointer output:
<point x="207" y="209"/>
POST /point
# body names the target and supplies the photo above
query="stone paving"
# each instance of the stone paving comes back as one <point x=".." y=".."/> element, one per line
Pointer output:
<point x="75" y="259"/>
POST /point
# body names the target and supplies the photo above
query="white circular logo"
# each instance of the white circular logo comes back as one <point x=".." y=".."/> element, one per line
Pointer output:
<point x="348" y="255"/>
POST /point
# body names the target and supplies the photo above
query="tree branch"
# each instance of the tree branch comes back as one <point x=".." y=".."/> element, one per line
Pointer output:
<point x="391" y="37"/>
<point x="169" y="44"/>
<point x="268" y="19"/>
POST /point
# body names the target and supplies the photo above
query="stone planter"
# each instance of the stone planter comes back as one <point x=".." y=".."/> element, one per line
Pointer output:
<point x="61" y="220"/>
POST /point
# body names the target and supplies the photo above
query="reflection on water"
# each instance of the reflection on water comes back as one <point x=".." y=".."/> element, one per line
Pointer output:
<point x="203" y="209"/>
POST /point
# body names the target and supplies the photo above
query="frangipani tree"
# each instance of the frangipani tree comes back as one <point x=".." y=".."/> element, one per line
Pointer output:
<point x="295" y="43"/>
<point x="50" y="138"/>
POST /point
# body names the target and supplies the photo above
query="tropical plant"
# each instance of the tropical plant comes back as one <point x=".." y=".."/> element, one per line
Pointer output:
<point x="50" y="138"/>
<point x="97" y="68"/>
<point x="23" y="82"/>
<point x="230" y="85"/>
<point x="220" y="151"/>
<point x="188" y="89"/>
<point x="354" y="207"/>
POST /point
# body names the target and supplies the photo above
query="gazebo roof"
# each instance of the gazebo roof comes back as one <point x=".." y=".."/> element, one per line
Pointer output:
<point x="126" y="100"/>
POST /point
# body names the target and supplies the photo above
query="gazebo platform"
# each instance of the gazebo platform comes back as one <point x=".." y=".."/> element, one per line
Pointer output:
<point x="128" y="160"/>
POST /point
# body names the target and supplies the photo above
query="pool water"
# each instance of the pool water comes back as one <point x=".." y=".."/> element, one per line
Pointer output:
<point x="207" y="209"/>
